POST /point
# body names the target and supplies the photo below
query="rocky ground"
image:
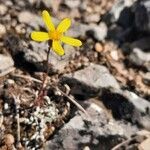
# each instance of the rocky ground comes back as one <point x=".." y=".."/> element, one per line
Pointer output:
<point x="108" y="76"/>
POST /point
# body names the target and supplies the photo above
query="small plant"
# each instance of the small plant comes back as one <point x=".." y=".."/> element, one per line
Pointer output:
<point x="55" y="37"/>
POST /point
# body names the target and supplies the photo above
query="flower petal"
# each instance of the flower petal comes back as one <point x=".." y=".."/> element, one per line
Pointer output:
<point x="57" y="48"/>
<point x="71" y="41"/>
<point x="48" y="21"/>
<point x="39" y="36"/>
<point x="64" y="25"/>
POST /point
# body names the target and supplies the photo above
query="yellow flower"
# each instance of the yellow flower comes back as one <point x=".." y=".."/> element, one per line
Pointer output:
<point x="55" y="34"/>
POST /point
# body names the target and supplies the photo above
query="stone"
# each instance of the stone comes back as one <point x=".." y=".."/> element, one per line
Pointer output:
<point x="2" y="30"/>
<point x="95" y="76"/>
<point x="114" y="55"/>
<point x="6" y="64"/>
<point x="30" y="19"/>
<point x="128" y="106"/>
<point x="89" y="80"/>
<point x="92" y="18"/>
<point x="140" y="58"/>
<point x="25" y="17"/>
<point x="34" y="54"/>
<point x="77" y="30"/>
<point x="3" y="9"/>
<point x="72" y="3"/>
<point x="98" y="131"/>
<point x="98" y="47"/>
<point x="38" y="52"/>
<point x="98" y="32"/>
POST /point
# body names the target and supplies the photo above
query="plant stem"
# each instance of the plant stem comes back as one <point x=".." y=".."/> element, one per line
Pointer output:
<point x="39" y="100"/>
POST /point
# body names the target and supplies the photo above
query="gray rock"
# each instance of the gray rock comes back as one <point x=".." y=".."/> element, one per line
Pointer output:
<point x="142" y="107"/>
<point x="6" y="65"/>
<point x="37" y="53"/>
<point x="34" y="54"/>
<point x="89" y="80"/>
<point x="140" y="58"/>
<point x="141" y="104"/>
<point x="30" y="19"/>
<point x="98" y="32"/>
<point x="95" y="76"/>
<point x="128" y="106"/>
<point x="77" y="30"/>
<point x="98" y="131"/>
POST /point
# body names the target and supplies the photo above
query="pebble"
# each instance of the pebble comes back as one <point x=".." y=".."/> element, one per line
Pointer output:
<point x="72" y="4"/>
<point x="3" y="9"/>
<point x="20" y="29"/>
<point x="114" y="55"/>
<point x="92" y="18"/>
<point x="86" y="148"/>
<point x="98" y="32"/>
<point x="6" y="106"/>
<point x="9" y="139"/>
<point x="2" y="30"/>
<point x="98" y="47"/>
<point x="25" y="17"/>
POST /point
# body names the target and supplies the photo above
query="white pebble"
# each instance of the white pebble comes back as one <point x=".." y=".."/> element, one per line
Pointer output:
<point x="6" y="106"/>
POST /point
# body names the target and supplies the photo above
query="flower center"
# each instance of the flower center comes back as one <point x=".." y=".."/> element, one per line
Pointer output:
<point x="55" y="35"/>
